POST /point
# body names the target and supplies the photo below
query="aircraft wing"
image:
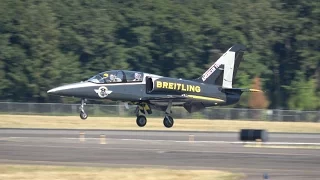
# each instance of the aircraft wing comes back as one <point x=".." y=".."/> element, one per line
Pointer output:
<point x="184" y="97"/>
<point x="242" y="90"/>
<point x="169" y="97"/>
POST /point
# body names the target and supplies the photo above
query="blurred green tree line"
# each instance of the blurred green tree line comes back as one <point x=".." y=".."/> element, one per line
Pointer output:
<point x="44" y="44"/>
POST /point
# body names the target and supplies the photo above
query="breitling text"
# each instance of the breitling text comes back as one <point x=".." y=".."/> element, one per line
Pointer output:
<point x="178" y="86"/>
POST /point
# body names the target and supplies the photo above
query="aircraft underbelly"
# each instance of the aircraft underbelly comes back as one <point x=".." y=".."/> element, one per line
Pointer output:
<point x="165" y="103"/>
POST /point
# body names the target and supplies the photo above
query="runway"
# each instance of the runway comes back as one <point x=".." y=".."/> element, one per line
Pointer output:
<point x="161" y="149"/>
<point x="154" y="135"/>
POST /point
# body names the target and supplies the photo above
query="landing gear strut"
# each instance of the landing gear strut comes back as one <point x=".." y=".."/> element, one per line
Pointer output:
<point x="145" y="108"/>
<point x="168" y="120"/>
<point x="83" y="114"/>
<point x="141" y="119"/>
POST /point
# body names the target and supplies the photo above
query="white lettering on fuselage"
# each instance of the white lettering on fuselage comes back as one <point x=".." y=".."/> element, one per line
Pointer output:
<point x="209" y="71"/>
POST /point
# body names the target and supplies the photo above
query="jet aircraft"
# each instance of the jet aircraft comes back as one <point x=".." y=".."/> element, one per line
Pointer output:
<point x="150" y="91"/>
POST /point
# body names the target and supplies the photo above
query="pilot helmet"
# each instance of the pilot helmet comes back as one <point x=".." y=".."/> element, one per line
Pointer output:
<point x="137" y="75"/>
<point x="112" y="77"/>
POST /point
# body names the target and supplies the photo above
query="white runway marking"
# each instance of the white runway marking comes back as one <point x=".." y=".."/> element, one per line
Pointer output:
<point x="164" y="150"/>
<point x="175" y="141"/>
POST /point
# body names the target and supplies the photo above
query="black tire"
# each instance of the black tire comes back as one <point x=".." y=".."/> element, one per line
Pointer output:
<point x="141" y="121"/>
<point x="168" y="121"/>
<point x="83" y="115"/>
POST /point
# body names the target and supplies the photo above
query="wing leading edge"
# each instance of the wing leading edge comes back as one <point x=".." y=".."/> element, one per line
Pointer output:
<point x="183" y="97"/>
<point x="241" y="90"/>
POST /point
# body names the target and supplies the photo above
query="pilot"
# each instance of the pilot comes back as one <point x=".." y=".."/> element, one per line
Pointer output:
<point x="137" y="77"/>
<point x="114" y="78"/>
<point x="106" y="77"/>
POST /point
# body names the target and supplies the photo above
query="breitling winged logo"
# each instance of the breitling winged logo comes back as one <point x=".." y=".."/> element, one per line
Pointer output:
<point x="103" y="91"/>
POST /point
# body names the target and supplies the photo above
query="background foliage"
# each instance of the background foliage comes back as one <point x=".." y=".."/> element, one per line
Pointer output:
<point x="44" y="44"/>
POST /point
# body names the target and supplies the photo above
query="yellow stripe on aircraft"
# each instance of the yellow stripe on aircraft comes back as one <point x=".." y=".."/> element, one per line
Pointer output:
<point x="205" y="98"/>
<point x="255" y="90"/>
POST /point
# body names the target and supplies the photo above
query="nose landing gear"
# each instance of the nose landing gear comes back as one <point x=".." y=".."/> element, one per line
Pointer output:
<point x="83" y="114"/>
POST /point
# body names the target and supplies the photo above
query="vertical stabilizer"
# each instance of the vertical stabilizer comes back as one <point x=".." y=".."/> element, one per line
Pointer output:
<point x="223" y="71"/>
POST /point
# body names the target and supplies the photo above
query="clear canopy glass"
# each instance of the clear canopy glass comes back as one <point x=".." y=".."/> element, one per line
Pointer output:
<point x="117" y="76"/>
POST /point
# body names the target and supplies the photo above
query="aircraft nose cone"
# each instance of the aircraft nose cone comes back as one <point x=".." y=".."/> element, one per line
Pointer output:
<point x="53" y="91"/>
<point x="56" y="91"/>
<point x="65" y="90"/>
<point x="75" y="89"/>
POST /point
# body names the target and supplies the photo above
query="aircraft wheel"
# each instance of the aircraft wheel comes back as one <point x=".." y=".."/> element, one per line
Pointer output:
<point x="168" y="121"/>
<point x="83" y="115"/>
<point x="141" y="120"/>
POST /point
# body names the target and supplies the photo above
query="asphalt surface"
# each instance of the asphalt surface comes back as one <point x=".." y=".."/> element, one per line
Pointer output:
<point x="161" y="149"/>
<point x="154" y="135"/>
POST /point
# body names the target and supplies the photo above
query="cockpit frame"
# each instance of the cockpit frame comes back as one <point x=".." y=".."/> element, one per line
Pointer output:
<point x="117" y="76"/>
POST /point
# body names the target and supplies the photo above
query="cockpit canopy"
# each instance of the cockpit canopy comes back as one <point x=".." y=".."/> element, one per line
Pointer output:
<point x="117" y="76"/>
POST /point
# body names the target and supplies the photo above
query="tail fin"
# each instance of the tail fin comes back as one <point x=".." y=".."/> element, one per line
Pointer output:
<point x="224" y="70"/>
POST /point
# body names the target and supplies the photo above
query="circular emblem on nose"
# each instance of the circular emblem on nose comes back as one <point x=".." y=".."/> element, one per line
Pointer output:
<point x="103" y="91"/>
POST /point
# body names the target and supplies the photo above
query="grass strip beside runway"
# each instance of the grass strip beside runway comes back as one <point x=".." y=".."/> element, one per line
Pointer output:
<point x="35" y="172"/>
<point x="74" y="122"/>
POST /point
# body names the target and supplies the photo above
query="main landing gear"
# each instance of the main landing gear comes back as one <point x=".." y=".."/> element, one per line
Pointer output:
<point x="168" y="120"/>
<point x="142" y="120"/>
<point x="83" y="114"/>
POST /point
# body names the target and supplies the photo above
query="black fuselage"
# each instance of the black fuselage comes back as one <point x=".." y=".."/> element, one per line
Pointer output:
<point x="154" y="90"/>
